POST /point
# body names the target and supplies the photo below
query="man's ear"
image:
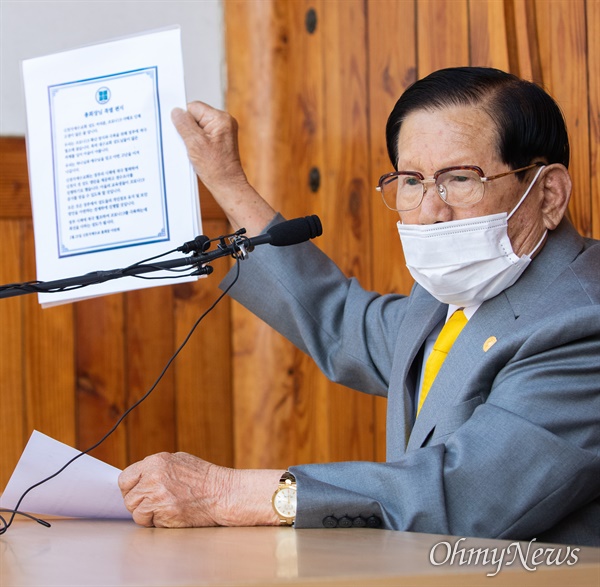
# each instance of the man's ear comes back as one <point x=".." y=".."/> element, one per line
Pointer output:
<point x="556" y="185"/>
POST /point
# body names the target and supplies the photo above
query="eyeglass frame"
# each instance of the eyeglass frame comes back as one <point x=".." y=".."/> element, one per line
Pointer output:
<point x="423" y="180"/>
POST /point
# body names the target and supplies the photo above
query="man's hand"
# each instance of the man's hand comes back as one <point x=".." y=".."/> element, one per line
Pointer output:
<point x="210" y="136"/>
<point x="180" y="490"/>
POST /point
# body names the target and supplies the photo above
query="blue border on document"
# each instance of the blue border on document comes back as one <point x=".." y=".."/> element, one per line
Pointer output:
<point x="164" y="233"/>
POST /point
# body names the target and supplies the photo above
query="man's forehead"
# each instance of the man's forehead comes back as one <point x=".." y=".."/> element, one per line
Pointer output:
<point x="447" y="136"/>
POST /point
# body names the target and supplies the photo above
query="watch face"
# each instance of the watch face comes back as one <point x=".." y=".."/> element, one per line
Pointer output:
<point x="285" y="502"/>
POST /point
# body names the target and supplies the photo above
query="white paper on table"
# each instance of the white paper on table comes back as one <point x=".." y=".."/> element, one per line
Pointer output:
<point x="87" y="488"/>
<point x="110" y="180"/>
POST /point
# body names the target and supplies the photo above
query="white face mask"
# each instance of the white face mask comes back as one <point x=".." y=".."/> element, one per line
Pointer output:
<point x="465" y="262"/>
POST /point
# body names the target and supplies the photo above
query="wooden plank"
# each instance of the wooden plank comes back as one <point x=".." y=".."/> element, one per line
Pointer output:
<point x="346" y="185"/>
<point x="593" y="79"/>
<point x="297" y="404"/>
<point x="565" y="77"/>
<point x="442" y="35"/>
<point x="202" y="371"/>
<point x="522" y="45"/>
<point x="12" y="389"/>
<point x="392" y="70"/>
<point x="49" y="366"/>
<point x="100" y="368"/>
<point x="251" y="64"/>
<point x="14" y="180"/>
<point x="300" y="406"/>
<point x="256" y="37"/>
<point x="149" y="346"/>
<point x="488" y="35"/>
<point x="347" y="196"/>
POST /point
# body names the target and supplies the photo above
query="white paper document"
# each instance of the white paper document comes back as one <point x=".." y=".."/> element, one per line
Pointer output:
<point x="88" y="488"/>
<point x="110" y="180"/>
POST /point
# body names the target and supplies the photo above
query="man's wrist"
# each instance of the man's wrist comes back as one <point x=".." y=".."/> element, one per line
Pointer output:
<point x="247" y="495"/>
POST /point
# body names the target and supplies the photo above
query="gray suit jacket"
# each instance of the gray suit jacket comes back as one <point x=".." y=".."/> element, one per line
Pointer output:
<point x="507" y="444"/>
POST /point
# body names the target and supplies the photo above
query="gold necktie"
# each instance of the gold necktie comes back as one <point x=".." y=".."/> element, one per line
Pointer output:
<point x="441" y="347"/>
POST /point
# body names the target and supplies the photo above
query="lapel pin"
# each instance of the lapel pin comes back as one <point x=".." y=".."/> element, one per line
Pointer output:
<point x="489" y="343"/>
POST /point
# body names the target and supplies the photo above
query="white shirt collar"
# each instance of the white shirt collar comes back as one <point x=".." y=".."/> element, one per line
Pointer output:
<point x="469" y="311"/>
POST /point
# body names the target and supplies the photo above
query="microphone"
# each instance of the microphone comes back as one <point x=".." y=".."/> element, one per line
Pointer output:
<point x="197" y="244"/>
<point x="290" y="232"/>
<point x="284" y="234"/>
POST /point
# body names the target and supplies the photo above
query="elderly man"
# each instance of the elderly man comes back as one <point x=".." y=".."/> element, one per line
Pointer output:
<point x="491" y="366"/>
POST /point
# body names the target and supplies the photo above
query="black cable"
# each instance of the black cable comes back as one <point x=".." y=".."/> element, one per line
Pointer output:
<point x="181" y="271"/>
<point x="38" y="286"/>
<point x="151" y="259"/>
<point x="16" y="512"/>
<point x="6" y="525"/>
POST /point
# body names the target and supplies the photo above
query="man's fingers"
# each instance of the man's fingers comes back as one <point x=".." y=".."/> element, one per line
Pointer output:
<point x="197" y="115"/>
<point x="129" y="478"/>
<point x="201" y="116"/>
<point x="143" y="515"/>
<point x="204" y="114"/>
<point x="185" y="123"/>
<point x="133" y="500"/>
<point x="177" y="115"/>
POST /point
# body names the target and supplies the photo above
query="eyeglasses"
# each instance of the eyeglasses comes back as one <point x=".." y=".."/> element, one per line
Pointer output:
<point x="461" y="187"/>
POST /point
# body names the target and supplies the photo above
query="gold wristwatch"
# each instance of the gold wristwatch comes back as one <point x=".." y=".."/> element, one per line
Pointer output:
<point x="284" y="499"/>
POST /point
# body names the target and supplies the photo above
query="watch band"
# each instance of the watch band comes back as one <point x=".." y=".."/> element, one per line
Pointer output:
<point x="287" y="479"/>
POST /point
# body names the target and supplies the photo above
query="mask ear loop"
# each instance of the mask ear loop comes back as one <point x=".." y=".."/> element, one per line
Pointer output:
<point x="526" y="192"/>
<point x="539" y="244"/>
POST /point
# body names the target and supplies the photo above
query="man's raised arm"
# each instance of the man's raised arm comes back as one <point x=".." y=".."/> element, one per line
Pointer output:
<point x="210" y="136"/>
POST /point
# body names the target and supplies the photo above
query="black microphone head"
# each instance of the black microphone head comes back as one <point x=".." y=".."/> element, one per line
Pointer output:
<point x="293" y="232"/>
<point x="198" y="245"/>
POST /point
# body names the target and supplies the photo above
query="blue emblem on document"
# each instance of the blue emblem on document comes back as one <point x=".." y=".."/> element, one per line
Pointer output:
<point x="102" y="95"/>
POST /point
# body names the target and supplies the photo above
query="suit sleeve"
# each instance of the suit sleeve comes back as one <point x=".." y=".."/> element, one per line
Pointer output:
<point x="301" y="293"/>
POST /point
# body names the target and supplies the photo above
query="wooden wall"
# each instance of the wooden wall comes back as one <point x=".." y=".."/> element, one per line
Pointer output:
<point x="238" y="394"/>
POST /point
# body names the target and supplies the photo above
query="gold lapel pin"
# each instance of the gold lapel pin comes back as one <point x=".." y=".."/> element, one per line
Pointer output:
<point x="489" y="343"/>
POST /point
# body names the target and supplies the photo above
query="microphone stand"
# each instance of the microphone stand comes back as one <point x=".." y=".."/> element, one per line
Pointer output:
<point x="239" y="248"/>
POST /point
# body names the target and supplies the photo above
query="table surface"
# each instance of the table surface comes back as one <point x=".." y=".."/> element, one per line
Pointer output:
<point x="120" y="553"/>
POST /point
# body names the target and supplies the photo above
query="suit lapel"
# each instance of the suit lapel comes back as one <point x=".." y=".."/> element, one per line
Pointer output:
<point x="421" y="318"/>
